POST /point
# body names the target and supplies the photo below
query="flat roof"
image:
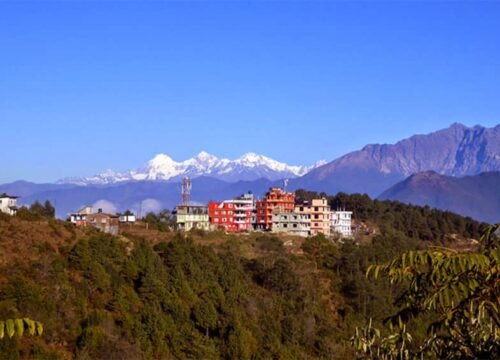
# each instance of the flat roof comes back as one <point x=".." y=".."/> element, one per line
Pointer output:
<point x="4" y="195"/>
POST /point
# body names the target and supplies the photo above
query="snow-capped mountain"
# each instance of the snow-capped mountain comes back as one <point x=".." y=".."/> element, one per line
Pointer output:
<point x="162" y="167"/>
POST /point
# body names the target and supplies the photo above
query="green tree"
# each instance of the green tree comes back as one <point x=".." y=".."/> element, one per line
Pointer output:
<point x="460" y="291"/>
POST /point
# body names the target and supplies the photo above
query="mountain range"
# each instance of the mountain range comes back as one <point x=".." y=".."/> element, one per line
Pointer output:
<point x="162" y="167"/>
<point x="456" y="151"/>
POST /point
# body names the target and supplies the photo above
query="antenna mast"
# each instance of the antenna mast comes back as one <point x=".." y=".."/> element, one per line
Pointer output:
<point x="285" y="184"/>
<point x="186" y="190"/>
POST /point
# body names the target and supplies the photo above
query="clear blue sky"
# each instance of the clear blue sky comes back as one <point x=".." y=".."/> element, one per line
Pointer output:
<point x="96" y="85"/>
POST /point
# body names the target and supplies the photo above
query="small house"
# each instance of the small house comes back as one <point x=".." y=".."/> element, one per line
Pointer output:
<point x="8" y="204"/>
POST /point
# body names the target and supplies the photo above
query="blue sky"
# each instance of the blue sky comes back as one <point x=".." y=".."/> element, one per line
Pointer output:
<point x="94" y="85"/>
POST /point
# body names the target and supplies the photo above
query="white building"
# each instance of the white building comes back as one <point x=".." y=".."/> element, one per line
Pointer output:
<point x="127" y="218"/>
<point x="342" y="222"/>
<point x="8" y="204"/>
<point x="292" y="223"/>
<point x="80" y="216"/>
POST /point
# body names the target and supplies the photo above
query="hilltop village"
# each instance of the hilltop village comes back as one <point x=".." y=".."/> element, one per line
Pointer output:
<point x="277" y="212"/>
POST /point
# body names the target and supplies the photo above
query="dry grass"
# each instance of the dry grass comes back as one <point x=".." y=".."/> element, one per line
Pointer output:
<point x="26" y="240"/>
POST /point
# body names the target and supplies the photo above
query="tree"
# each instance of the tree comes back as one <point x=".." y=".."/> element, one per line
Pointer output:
<point x="49" y="210"/>
<point x="45" y="211"/>
<point x="460" y="290"/>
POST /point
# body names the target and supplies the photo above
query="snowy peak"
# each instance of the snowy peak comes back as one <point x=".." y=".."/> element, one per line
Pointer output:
<point x="250" y="166"/>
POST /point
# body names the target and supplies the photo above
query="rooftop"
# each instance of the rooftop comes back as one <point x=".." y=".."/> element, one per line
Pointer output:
<point x="4" y="195"/>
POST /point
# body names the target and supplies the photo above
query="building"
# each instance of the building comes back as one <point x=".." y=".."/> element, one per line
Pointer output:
<point x="275" y="200"/>
<point x="320" y="215"/>
<point x="342" y="222"/>
<point x="107" y="223"/>
<point x="80" y="216"/>
<point x="127" y="218"/>
<point x="190" y="217"/>
<point x="8" y="204"/>
<point x="232" y="215"/>
<point x="292" y="223"/>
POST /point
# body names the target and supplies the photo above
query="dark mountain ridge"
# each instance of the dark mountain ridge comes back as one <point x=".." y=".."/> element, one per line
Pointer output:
<point x="456" y="151"/>
<point x="476" y="196"/>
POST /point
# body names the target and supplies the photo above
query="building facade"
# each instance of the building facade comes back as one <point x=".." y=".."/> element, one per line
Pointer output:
<point x="232" y="215"/>
<point x="79" y="218"/>
<point x="188" y="217"/>
<point x="275" y="200"/>
<point x="8" y="204"/>
<point x="320" y="215"/>
<point x="128" y="218"/>
<point x="107" y="223"/>
<point x="342" y="222"/>
<point x="292" y="223"/>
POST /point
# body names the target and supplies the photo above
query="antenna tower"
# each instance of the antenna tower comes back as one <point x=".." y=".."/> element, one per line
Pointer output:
<point x="186" y="190"/>
<point x="285" y="184"/>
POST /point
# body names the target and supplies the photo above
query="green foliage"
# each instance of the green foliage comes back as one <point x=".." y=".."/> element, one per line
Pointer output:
<point x="162" y="221"/>
<point x="416" y="222"/>
<point x="460" y="290"/>
<point x="37" y="211"/>
<point x="11" y="327"/>
<point x="243" y="297"/>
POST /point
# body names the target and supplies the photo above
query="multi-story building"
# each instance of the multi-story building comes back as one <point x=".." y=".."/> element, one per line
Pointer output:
<point x="275" y="200"/>
<point x="342" y="222"/>
<point x="8" y="204"/>
<point x="320" y="215"/>
<point x="232" y="215"/>
<point x="190" y="217"/>
<point x="292" y="223"/>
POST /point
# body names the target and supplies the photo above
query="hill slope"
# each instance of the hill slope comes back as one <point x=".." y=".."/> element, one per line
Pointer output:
<point x="456" y="151"/>
<point x="475" y="196"/>
<point x="242" y="297"/>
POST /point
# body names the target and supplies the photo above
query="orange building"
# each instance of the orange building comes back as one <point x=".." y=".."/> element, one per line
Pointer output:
<point x="275" y="200"/>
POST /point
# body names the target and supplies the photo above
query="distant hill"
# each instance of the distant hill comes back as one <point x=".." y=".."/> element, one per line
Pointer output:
<point x="142" y="196"/>
<point x="475" y="196"/>
<point x="25" y="188"/>
<point x="456" y="151"/>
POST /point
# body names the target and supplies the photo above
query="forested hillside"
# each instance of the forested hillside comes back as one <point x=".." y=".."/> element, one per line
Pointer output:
<point x="160" y="295"/>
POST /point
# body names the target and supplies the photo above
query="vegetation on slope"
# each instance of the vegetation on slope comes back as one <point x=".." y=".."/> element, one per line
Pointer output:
<point x="201" y="296"/>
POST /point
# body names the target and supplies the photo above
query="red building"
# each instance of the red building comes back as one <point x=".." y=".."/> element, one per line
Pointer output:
<point x="232" y="215"/>
<point x="275" y="200"/>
